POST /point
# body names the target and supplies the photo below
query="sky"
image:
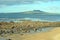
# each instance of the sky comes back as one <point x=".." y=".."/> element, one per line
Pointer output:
<point x="10" y="6"/>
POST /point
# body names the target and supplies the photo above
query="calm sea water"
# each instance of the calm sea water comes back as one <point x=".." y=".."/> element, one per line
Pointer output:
<point x="21" y="15"/>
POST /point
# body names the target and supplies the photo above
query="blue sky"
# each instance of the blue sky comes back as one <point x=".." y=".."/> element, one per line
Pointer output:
<point x="47" y="6"/>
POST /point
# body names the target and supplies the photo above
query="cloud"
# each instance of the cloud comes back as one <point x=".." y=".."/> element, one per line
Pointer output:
<point x="51" y="7"/>
<point x="28" y="5"/>
<point x="12" y="2"/>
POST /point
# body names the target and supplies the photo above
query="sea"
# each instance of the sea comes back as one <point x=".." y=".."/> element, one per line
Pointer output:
<point x="33" y="17"/>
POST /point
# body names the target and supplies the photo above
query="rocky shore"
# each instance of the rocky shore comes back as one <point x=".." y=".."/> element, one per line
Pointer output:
<point x="8" y="28"/>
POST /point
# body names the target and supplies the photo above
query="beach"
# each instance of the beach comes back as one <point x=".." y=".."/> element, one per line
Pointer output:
<point x="33" y="30"/>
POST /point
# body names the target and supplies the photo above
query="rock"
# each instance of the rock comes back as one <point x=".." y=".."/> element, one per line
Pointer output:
<point x="9" y="39"/>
